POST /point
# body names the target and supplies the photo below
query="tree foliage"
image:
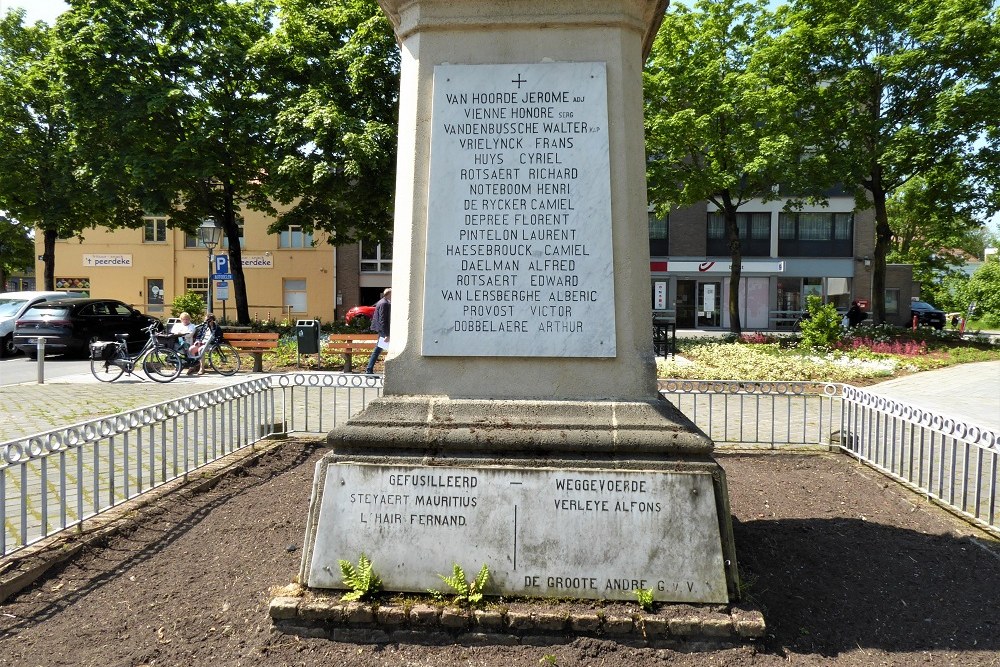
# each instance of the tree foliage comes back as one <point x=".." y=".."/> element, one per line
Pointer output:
<point x="335" y="70"/>
<point x="718" y="126"/>
<point x="934" y="232"/>
<point x="983" y="289"/>
<point x="43" y="179"/>
<point x="895" y="91"/>
<point x="172" y="106"/>
<point x="17" y="249"/>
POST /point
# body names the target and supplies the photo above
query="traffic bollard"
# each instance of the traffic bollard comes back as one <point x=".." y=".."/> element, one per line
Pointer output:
<point x="40" y="343"/>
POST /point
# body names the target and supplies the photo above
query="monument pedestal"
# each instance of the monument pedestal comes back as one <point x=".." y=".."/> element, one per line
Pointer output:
<point x="521" y="427"/>
<point x="588" y="499"/>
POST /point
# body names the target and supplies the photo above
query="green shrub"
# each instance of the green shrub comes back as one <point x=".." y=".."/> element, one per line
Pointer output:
<point x="822" y="328"/>
<point x="191" y="303"/>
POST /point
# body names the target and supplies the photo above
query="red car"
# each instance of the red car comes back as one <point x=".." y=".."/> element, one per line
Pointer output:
<point x="363" y="314"/>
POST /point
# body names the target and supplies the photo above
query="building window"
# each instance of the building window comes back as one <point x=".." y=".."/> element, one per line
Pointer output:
<point x="198" y="286"/>
<point x="155" y="230"/>
<point x="892" y="301"/>
<point x="838" y="292"/>
<point x="294" y="294"/>
<point x="790" y="296"/>
<point x="754" y="229"/>
<point x="659" y="243"/>
<point x="815" y="234"/>
<point x="295" y="237"/>
<point x="192" y="240"/>
<point x="225" y="239"/>
<point x="376" y="258"/>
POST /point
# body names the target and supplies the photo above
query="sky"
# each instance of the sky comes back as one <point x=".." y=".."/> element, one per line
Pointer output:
<point x="36" y="10"/>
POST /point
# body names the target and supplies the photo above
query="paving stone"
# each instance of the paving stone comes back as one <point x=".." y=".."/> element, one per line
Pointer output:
<point x="357" y="613"/>
<point x="455" y="618"/>
<point x="321" y="610"/>
<point x="424" y="615"/>
<point x="488" y="620"/>
<point x="283" y="607"/>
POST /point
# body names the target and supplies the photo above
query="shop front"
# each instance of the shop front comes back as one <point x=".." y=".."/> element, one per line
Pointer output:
<point x="772" y="293"/>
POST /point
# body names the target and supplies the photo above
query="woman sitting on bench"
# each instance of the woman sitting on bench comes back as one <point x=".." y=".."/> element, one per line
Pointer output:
<point x="204" y="334"/>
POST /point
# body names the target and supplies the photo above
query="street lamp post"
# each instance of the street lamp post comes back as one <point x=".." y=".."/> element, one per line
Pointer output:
<point x="210" y="235"/>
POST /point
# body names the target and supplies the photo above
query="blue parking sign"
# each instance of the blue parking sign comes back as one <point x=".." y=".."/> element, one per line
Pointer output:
<point x="220" y="268"/>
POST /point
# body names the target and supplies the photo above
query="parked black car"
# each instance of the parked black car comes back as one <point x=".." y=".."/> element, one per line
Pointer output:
<point x="927" y="315"/>
<point x="70" y="325"/>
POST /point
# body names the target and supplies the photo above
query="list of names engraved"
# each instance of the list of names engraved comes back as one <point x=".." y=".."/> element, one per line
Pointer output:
<point x="519" y="255"/>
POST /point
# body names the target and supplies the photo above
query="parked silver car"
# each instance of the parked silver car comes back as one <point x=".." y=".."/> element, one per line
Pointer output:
<point x="13" y="305"/>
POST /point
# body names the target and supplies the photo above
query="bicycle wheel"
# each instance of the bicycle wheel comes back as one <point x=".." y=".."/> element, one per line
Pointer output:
<point x="105" y="371"/>
<point x="162" y="365"/>
<point x="224" y="358"/>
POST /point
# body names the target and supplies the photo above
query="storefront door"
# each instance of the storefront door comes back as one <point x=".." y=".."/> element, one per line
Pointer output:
<point x="685" y="305"/>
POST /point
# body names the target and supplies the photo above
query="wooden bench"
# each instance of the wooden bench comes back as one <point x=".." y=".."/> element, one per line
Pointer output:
<point x="255" y="344"/>
<point x="350" y="344"/>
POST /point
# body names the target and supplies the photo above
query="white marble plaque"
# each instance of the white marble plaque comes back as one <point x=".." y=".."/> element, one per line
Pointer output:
<point x="519" y="256"/>
<point x="596" y="534"/>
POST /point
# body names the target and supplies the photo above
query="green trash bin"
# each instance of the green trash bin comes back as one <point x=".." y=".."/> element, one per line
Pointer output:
<point x="307" y="335"/>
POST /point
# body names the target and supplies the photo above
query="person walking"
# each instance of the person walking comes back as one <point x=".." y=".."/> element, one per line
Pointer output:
<point x="855" y="315"/>
<point x="380" y="325"/>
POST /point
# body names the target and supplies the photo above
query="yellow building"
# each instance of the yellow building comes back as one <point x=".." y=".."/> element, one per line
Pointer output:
<point x="287" y="275"/>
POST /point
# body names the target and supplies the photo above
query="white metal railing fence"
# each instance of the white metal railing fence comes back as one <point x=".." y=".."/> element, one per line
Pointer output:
<point x="58" y="479"/>
<point x="947" y="460"/>
<point x="758" y="414"/>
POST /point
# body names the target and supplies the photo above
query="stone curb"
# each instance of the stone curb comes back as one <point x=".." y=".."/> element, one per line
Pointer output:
<point x="297" y="612"/>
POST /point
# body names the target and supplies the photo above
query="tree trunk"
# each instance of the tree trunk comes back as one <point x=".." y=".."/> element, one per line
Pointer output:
<point x="235" y="257"/>
<point x="883" y="240"/>
<point x="735" y="270"/>
<point x="49" y="259"/>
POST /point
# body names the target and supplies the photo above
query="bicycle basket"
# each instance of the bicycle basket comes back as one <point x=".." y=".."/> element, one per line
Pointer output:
<point x="102" y="350"/>
<point x="167" y="340"/>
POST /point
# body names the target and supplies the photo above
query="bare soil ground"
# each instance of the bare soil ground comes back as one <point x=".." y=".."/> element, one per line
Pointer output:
<point x="849" y="569"/>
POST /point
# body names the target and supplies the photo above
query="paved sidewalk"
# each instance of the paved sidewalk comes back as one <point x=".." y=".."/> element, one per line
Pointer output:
<point x="970" y="392"/>
<point x="32" y="408"/>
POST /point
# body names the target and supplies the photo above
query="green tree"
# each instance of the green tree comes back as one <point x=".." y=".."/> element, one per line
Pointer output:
<point x="43" y="179"/>
<point x="17" y="249"/>
<point x="894" y="91"/>
<point x="717" y="123"/>
<point x="934" y="231"/>
<point x="171" y="104"/>
<point x="983" y="289"/>
<point x="335" y="69"/>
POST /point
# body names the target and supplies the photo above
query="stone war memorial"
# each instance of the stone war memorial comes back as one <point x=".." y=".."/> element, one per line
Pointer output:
<point x="520" y="426"/>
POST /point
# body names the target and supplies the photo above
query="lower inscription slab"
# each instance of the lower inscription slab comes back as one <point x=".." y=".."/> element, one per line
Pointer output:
<point x="584" y="533"/>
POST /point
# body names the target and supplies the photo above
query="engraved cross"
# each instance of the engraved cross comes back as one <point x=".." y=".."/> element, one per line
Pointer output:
<point x="519" y="81"/>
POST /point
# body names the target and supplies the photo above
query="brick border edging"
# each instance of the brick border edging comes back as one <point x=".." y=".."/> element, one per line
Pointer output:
<point x="353" y="622"/>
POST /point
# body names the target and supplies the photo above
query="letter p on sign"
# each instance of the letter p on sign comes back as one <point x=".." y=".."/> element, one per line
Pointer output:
<point x="221" y="264"/>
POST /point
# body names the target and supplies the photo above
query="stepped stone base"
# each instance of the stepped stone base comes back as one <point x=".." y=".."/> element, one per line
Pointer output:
<point x="679" y="627"/>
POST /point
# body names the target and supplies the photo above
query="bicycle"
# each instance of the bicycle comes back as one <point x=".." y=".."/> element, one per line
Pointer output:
<point x="110" y="359"/>
<point x="221" y="356"/>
